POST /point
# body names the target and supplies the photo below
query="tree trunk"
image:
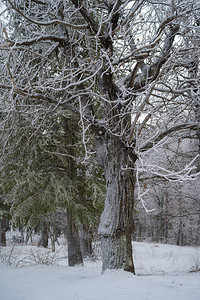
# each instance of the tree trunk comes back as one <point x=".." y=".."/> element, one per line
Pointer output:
<point x="53" y="238"/>
<point x="197" y="112"/>
<point x="3" y="231"/>
<point x="116" y="223"/>
<point x="74" y="248"/>
<point x="85" y="241"/>
<point x="21" y="229"/>
<point x="44" y="240"/>
<point x="29" y="235"/>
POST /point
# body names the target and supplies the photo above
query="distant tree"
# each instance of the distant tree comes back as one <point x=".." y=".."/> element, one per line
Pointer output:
<point x="120" y="67"/>
<point x="173" y="208"/>
<point x="4" y="219"/>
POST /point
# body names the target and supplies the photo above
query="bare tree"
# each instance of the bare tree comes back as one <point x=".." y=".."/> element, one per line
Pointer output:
<point x="173" y="204"/>
<point x="120" y="67"/>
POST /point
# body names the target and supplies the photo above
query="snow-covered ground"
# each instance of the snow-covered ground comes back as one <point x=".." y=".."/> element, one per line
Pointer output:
<point x="164" y="272"/>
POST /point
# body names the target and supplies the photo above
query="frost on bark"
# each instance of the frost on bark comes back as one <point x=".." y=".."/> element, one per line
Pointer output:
<point x="85" y="241"/>
<point x="116" y="223"/>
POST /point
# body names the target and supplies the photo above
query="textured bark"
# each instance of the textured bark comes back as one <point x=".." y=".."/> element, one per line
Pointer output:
<point x="116" y="224"/>
<point x="198" y="134"/>
<point x="21" y="229"/>
<point x="3" y="231"/>
<point x="85" y="241"/>
<point x="53" y="238"/>
<point x="196" y="94"/>
<point x="44" y="241"/>
<point x="74" y="248"/>
<point x="195" y="74"/>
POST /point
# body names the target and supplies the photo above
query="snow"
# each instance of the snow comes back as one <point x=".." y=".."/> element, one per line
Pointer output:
<point x="163" y="273"/>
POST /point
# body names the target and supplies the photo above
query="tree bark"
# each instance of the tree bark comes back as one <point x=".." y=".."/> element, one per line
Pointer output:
<point x="116" y="223"/>
<point x="74" y="248"/>
<point x="197" y="115"/>
<point x="21" y="229"/>
<point x="85" y="241"/>
<point x="3" y="231"/>
<point x="44" y="240"/>
<point x="53" y="238"/>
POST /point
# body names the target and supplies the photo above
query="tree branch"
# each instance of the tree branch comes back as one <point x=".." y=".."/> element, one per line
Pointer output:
<point x="39" y="2"/>
<point x="130" y="16"/>
<point x="167" y="132"/>
<point x="151" y="73"/>
<point x="91" y="22"/>
<point x="52" y="22"/>
<point x="36" y="40"/>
